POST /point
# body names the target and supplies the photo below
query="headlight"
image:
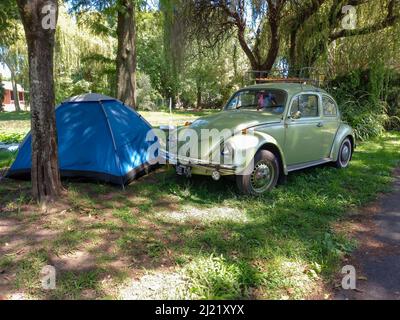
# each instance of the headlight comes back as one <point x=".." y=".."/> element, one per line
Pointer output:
<point x="227" y="152"/>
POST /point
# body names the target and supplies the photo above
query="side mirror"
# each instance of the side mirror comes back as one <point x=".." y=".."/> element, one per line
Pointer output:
<point x="295" y="115"/>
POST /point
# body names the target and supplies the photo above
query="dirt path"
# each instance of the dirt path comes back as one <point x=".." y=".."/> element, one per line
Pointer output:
<point x="377" y="260"/>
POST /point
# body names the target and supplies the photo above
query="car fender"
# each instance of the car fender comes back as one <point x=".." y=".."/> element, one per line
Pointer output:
<point x="344" y="131"/>
<point x="248" y="144"/>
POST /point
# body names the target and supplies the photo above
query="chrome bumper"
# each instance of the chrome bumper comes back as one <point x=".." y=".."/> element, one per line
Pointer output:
<point x="175" y="160"/>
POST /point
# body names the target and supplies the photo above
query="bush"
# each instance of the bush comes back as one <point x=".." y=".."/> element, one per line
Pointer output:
<point x="147" y="98"/>
<point x="369" y="100"/>
<point x="367" y="118"/>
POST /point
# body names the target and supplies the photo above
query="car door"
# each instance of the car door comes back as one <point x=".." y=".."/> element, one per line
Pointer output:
<point x="303" y="130"/>
<point x="330" y="116"/>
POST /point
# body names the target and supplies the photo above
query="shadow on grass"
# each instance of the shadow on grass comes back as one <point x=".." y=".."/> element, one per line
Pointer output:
<point x="122" y="233"/>
<point x="15" y="116"/>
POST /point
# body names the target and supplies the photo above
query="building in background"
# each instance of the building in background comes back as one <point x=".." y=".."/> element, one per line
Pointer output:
<point x="8" y="101"/>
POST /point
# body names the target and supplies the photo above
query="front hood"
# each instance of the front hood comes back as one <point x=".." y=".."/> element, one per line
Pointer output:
<point x="227" y="123"/>
<point x="234" y="120"/>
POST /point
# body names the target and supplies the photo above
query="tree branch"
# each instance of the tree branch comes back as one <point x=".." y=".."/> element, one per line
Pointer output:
<point x="389" y="21"/>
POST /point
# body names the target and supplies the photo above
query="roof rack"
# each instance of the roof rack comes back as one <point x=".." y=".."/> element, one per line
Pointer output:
<point x="285" y="80"/>
<point x="303" y="76"/>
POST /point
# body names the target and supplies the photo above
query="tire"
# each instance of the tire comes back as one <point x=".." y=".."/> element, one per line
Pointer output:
<point x="345" y="154"/>
<point x="263" y="177"/>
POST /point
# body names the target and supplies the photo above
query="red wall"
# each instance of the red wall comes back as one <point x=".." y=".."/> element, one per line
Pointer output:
<point x="7" y="97"/>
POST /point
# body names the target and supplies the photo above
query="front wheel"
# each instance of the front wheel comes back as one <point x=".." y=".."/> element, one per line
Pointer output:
<point x="263" y="177"/>
<point x="345" y="154"/>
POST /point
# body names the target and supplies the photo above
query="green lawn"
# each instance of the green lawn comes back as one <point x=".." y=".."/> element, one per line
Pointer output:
<point x="15" y="125"/>
<point x="6" y="158"/>
<point x="220" y="245"/>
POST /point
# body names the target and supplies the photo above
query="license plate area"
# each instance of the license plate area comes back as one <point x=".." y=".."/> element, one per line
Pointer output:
<point x="184" y="170"/>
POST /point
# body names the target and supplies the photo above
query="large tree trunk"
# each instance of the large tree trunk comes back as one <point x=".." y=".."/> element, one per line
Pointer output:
<point x="126" y="55"/>
<point x="273" y="21"/>
<point x="46" y="184"/>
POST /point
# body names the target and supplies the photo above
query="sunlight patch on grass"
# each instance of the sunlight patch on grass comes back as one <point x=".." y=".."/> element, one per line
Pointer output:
<point x="156" y="286"/>
<point x="189" y="213"/>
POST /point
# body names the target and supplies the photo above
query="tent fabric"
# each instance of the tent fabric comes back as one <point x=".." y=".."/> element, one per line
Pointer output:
<point x="98" y="138"/>
<point x="89" y="97"/>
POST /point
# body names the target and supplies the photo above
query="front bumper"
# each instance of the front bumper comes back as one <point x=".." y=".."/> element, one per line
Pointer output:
<point x="198" y="166"/>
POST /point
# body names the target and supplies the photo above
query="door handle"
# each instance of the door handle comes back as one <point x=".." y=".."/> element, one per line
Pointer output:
<point x="320" y="125"/>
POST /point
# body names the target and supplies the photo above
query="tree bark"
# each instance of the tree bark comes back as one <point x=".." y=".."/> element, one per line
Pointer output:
<point x="126" y="54"/>
<point x="293" y="52"/>
<point x="46" y="184"/>
<point x="15" y="92"/>
<point x="199" y="95"/>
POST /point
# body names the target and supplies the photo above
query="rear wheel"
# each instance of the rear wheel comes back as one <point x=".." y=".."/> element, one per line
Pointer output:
<point x="263" y="174"/>
<point x="345" y="154"/>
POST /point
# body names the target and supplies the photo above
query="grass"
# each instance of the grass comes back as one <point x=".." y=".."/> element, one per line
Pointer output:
<point x="6" y="159"/>
<point x="280" y="246"/>
<point x="15" y="125"/>
<point x="178" y="118"/>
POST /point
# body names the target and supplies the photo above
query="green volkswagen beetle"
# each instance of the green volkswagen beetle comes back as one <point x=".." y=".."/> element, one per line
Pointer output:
<point x="264" y="132"/>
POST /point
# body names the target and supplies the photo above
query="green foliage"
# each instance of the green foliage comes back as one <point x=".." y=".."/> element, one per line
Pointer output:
<point x="8" y="17"/>
<point x="367" y="100"/>
<point x="84" y="57"/>
<point x="6" y="137"/>
<point x="147" y="97"/>
<point x="150" y="45"/>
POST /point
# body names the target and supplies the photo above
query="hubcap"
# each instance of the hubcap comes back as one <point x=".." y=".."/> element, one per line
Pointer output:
<point x="262" y="176"/>
<point x="345" y="156"/>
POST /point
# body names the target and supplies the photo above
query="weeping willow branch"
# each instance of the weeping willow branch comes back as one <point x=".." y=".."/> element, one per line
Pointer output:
<point x="390" y="20"/>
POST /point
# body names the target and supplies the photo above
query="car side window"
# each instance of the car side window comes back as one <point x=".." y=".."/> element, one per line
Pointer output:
<point x="329" y="106"/>
<point x="305" y="106"/>
<point x="233" y="103"/>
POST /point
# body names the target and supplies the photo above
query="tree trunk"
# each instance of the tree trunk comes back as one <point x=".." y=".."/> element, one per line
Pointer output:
<point x="199" y="94"/>
<point x="275" y="40"/>
<point x="15" y="92"/>
<point x="46" y="184"/>
<point x="293" y="53"/>
<point x="126" y="54"/>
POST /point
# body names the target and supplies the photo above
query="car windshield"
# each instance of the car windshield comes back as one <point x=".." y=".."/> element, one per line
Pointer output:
<point x="266" y="100"/>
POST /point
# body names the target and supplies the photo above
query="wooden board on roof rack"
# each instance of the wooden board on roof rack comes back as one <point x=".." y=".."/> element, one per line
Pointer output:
<point x="288" y="80"/>
<point x="302" y="76"/>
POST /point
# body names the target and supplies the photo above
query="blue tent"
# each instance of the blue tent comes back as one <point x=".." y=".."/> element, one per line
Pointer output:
<point x="98" y="138"/>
